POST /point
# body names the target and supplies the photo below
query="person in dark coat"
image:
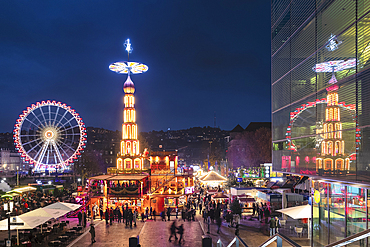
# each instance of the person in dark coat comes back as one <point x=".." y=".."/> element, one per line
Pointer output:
<point x="237" y="230"/>
<point x="126" y="216"/>
<point x="106" y="215"/>
<point x="84" y="218"/>
<point x="272" y="226"/>
<point x="267" y="214"/>
<point x="92" y="232"/>
<point x="130" y="217"/>
<point x="180" y="231"/>
<point x="168" y="213"/>
<point x="173" y="231"/>
<point x="218" y="222"/>
<point x="111" y="216"/>
<point x="79" y="216"/>
<point x="119" y="215"/>
<point x="154" y="215"/>
<point x="101" y="213"/>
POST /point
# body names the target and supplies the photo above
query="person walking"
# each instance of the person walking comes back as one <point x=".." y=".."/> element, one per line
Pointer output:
<point x="84" y="219"/>
<point x="277" y="224"/>
<point x="183" y="214"/>
<point x="119" y="215"/>
<point x="101" y="212"/>
<point x="130" y="217"/>
<point x="126" y="216"/>
<point x="267" y="214"/>
<point x="168" y="213"/>
<point x="111" y="216"/>
<point x="218" y="222"/>
<point x="92" y="232"/>
<point x="237" y="229"/>
<point x="209" y="224"/>
<point x="173" y="231"/>
<point x="106" y="215"/>
<point x="135" y="216"/>
<point x="79" y="216"/>
<point x="272" y="226"/>
<point x="180" y="231"/>
<point x="154" y="215"/>
<point x="177" y="211"/>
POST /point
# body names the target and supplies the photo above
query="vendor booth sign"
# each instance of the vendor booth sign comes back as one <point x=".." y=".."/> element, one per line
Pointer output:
<point x="189" y="190"/>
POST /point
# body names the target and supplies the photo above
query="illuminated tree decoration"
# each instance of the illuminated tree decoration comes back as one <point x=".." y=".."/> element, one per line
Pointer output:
<point x="50" y="135"/>
<point x="129" y="157"/>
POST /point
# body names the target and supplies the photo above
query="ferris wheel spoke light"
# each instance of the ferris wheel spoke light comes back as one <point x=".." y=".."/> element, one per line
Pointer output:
<point x="72" y="127"/>
<point x="57" y="152"/>
<point x="38" y="144"/>
<point x="67" y="122"/>
<point x="65" y="113"/>
<point x="43" y="150"/>
<point x="56" y="115"/>
<point x="43" y="115"/>
<point x="37" y="119"/>
<point x="49" y="107"/>
<point x="27" y="135"/>
<point x="32" y="141"/>
<point x="32" y="122"/>
<point x="74" y="134"/>
<point x="64" y="151"/>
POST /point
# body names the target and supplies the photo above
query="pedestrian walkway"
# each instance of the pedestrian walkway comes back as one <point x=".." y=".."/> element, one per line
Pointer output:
<point x="156" y="233"/>
<point x="117" y="234"/>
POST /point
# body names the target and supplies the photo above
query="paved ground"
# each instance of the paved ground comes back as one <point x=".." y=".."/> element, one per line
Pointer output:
<point x="151" y="233"/>
<point x="156" y="233"/>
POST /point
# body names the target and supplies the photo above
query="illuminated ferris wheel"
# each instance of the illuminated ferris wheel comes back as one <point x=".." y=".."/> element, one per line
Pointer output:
<point x="50" y="135"/>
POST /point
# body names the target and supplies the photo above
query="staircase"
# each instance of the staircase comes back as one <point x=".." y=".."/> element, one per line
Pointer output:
<point x="164" y="182"/>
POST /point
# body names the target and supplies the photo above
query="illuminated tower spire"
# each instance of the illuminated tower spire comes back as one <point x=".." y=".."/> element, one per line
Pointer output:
<point x="129" y="157"/>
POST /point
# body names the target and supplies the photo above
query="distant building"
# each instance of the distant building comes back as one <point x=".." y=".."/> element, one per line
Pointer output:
<point x="10" y="160"/>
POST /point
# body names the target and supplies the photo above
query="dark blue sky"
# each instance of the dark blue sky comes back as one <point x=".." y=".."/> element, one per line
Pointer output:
<point x="203" y="57"/>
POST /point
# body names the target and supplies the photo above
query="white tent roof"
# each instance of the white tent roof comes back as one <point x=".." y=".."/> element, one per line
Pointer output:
<point x="72" y="206"/>
<point x="299" y="212"/>
<point x="39" y="216"/>
<point x="63" y="206"/>
<point x="29" y="222"/>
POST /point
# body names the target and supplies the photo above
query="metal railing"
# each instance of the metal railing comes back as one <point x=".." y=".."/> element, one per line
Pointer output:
<point x="278" y="237"/>
<point x="237" y="241"/>
<point x="361" y="236"/>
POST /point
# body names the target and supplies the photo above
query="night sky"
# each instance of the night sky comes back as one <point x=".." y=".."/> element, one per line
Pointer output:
<point x="203" y="57"/>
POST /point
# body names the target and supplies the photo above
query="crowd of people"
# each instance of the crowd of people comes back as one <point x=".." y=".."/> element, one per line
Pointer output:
<point x="28" y="201"/>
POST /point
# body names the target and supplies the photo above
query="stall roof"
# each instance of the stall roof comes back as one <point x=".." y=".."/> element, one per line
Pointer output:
<point x="127" y="177"/>
<point x="101" y="177"/>
<point x="24" y="189"/>
<point x="213" y="176"/>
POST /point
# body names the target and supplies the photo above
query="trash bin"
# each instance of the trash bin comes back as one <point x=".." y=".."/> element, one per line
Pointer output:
<point x="206" y="241"/>
<point x="133" y="241"/>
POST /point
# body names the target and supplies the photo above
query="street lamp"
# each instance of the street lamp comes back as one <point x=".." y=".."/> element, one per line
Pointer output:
<point x="17" y="175"/>
<point x="9" y="207"/>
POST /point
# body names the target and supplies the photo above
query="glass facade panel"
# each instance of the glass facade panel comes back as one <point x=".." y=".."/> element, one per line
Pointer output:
<point x="320" y="218"/>
<point x="356" y="210"/>
<point x="337" y="212"/>
<point x="320" y="54"/>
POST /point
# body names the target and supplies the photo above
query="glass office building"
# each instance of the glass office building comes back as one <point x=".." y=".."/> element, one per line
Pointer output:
<point x="320" y="77"/>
